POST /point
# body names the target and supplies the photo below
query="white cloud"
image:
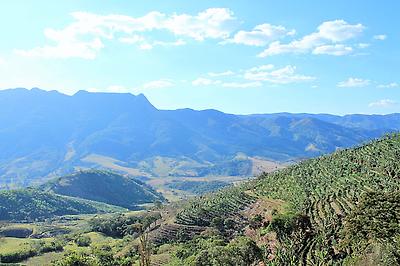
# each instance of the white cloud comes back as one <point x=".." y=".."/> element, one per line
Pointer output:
<point x="133" y="39"/>
<point x="380" y="37"/>
<point x="205" y="82"/>
<point x="339" y="30"/>
<point x="253" y="77"/>
<point x="353" y="82"/>
<point x="261" y="35"/>
<point x="85" y="37"/>
<point x="158" y="84"/>
<point x="261" y="68"/>
<point x="175" y="43"/>
<point x="337" y="49"/>
<point x="2" y="61"/>
<point x="241" y="84"/>
<point x="363" y="45"/>
<point x="66" y="49"/>
<point x="383" y="103"/>
<point x="145" y="46"/>
<point x="215" y="23"/>
<point x="283" y="75"/>
<point x="148" y="46"/>
<point x="389" y="85"/>
<point x="329" y="33"/>
<point x="221" y="74"/>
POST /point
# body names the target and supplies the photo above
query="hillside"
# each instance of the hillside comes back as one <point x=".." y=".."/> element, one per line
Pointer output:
<point x="336" y="209"/>
<point x="49" y="134"/>
<point x="31" y="204"/>
<point x="104" y="186"/>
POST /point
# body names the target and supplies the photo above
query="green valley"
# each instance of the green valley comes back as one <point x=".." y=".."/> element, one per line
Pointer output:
<point x="337" y="209"/>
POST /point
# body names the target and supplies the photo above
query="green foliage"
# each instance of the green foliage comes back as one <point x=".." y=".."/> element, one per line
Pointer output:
<point x="376" y="216"/>
<point x="287" y="223"/>
<point x="215" y="251"/>
<point x="223" y="204"/>
<point x="197" y="187"/>
<point x="372" y="228"/>
<point x="34" y="249"/>
<point x="104" y="186"/>
<point x="336" y="206"/>
<point x="96" y="256"/>
<point x="83" y="241"/>
<point x="32" y="204"/>
<point x="256" y="221"/>
<point x="78" y="259"/>
<point x="120" y="225"/>
<point x="327" y="190"/>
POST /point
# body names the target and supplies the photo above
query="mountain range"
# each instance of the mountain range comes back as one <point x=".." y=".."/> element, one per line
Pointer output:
<point x="47" y="133"/>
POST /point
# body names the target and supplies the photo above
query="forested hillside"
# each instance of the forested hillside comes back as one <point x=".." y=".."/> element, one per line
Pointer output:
<point x="26" y="205"/>
<point x="104" y="186"/>
<point x="342" y="208"/>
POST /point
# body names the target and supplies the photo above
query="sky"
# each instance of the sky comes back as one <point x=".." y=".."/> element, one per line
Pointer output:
<point x="241" y="57"/>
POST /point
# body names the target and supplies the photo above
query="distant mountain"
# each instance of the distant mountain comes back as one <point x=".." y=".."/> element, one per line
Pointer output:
<point x="45" y="134"/>
<point x="31" y="204"/>
<point x="104" y="186"/>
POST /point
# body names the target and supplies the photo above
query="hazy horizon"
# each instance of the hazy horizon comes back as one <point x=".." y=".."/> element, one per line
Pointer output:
<point x="181" y="108"/>
<point x="263" y="57"/>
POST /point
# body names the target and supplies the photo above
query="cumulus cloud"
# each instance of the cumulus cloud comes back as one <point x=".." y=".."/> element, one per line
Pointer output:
<point x="339" y="30"/>
<point x="205" y="82"/>
<point x="389" y="85"/>
<point x="212" y="23"/>
<point x="354" y="82"/>
<point x="85" y="37"/>
<point x="383" y="103"/>
<point x="150" y="45"/>
<point x="221" y="74"/>
<point x="261" y="35"/>
<point x="380" y="37"/>
<point x="268" y="73"/>
<point x="253" y="77"/>
<point x="337" y="49"/>
<point x="363" y="45"/>
<point x="328" y="35"/>
<point x="66" y="49"/>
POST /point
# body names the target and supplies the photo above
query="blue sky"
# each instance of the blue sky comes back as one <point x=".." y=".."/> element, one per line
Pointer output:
<point x="239" y="57"/>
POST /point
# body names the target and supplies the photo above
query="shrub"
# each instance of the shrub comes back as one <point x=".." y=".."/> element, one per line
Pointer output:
<point x="83" y="241"/>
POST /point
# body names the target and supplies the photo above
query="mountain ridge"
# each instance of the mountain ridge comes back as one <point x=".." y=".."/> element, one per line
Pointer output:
<point x="50" y="134"/>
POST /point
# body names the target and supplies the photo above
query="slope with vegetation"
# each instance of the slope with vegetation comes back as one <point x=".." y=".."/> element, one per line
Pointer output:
<point x="32" y="204"/>
<point x="197" y="187"/>
<point x="338" y="209"/>
<point x="342" y="208"/>
<point x="104" y="186"/>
